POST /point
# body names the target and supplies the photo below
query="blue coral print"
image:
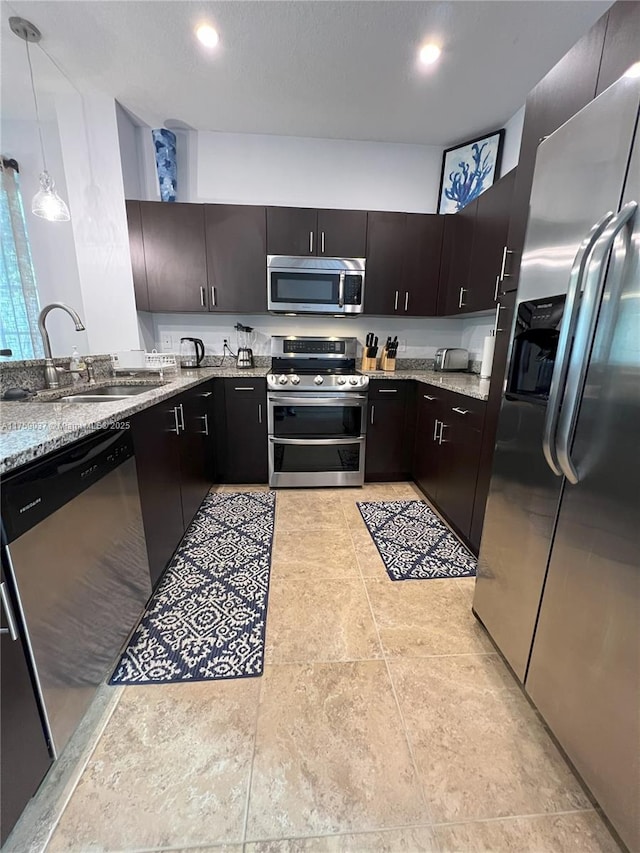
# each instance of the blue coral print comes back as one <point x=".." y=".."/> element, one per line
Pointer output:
<point x="166" y="162"/>
<point x="469" y="170"/>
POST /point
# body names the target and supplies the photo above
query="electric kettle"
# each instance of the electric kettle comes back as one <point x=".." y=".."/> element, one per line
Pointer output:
<point x="191" y="352"/>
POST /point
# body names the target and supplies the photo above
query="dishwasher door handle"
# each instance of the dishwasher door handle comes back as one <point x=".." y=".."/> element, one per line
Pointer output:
<point x="12" y="628"/>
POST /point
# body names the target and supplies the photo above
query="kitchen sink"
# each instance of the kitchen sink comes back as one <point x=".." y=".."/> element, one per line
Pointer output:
<point x="105" y="393"/>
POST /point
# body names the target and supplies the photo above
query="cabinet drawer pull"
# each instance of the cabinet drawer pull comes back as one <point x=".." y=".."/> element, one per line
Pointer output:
<point x="406" y="300"/>
<point x="435" y="430"/>
<point x="427" y="397"/>
<point x="259" y="413"/>
<point x="202" y="296"/>
<point x="388" y="390"/>
<point x="461" y="302"/>
<point x="395" y="304"/>
<point x="322" y="242"/>
<point x="12" y="628"/>
<point x="310" y="242"/>
<point x="496" y="328"/>
<point x="207" y="394"/>
<point x="177" y="423"/>
<point x="205" y="418"/>
<point x="243" y="388"/>
<point x="181" y="416"/>
<point x="373" y="412"/>
<point x="461" y="411"/>
<point x="213" y="297"/>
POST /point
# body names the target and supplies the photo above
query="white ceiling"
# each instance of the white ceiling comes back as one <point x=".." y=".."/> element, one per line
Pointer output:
<point x="342" y="69"/>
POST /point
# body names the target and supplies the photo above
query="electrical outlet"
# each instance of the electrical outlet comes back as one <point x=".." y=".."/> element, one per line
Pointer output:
<point x="402" y="345"/>
<point x="166" y="342"/>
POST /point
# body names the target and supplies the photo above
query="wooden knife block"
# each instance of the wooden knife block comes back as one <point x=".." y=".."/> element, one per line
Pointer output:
<point x="387" y="364"/>
<point x="368" y="364"/>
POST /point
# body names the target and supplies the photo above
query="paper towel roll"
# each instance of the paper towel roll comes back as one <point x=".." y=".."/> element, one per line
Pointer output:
<point x="487" y="356"/>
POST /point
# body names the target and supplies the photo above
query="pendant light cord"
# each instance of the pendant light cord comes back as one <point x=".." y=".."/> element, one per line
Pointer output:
<point x="35" y="101"/>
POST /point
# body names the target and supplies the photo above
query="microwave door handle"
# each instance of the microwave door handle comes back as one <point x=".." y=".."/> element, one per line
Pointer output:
<point x="595" y="277"/>
<point x="567" y="329"/>
<point x="341" y="291"/>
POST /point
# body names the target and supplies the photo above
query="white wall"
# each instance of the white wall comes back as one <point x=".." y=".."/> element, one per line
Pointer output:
<point x="474" y="330"/>
<point x="128" y="140"/>
<point x="91" y="155"/>
<point x="512" y="139"/>
<point x="52" y="243"/>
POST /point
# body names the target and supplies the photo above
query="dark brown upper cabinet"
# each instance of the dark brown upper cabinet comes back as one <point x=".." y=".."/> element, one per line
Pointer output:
<point x="307" y="231"/>
<point x="136" y="247"/>
<point x="236" y="245"/>
<point x="175" y="255"/>
<point x="490" y="259"/>
<point x="403" y="260"/>
<point x="453" y="291"/>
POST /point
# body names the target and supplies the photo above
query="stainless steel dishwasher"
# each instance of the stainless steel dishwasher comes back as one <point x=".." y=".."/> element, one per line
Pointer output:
<point x="78" y="564"/>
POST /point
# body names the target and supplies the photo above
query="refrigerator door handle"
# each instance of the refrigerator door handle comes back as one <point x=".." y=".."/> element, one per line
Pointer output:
<point x="567" y="328"/>
<point x="584" y="336"/>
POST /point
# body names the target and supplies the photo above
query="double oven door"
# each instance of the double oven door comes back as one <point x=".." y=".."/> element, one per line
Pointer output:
<point x="316" y="438"/>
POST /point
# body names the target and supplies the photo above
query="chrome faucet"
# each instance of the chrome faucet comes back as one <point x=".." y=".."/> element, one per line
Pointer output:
<point x="50" y="370"/>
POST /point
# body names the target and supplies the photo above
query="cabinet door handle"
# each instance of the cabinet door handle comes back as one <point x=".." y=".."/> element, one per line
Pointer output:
<point x="443" y="426"/>
<point x="259" y="413"/>
<point x="213" y="297"/>
<point x="406" y="300"/>
<point x="207" y="394"/>
<point x="310" y="242"/>
<point x="202" y="296"/>
<point x="496" y="328"/>
<point x="322" y="242"/>
<point x="388" y="391"/>
<point x="12" y="628"/>
<point x="461" y="302"/>
<point x="373" y="412"/>
<point x="205" y="418"/>
<point x="427" y="397"/>
<point x="177" y="423"/>
<point x="181" y="416"/>
<point x="461" y="411"/>
<point x="435" y="430"/>
<point x="496" y="291"/>
<point x="504" y="274"/>
<point x="395" y="304"/>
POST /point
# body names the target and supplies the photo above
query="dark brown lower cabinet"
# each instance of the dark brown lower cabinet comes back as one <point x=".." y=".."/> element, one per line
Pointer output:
<point x="173" y="458"/>
<point x="447" y="453"/>
<point x="244" y="450"/>
<point x="25" y="755"/>
<point x="386" y="455"/>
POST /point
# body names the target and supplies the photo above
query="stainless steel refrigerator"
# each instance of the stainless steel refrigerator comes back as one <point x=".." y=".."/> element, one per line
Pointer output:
<point x="558" y="584"/>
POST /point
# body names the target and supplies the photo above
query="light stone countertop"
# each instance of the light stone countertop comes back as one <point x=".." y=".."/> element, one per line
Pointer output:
<point x="30" y="429"/>
<point x="469" y="384"/>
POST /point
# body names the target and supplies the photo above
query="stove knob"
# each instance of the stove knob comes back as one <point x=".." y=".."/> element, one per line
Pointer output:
<point x="271" y="379"/>
<point x="342" y="380"/>
<point x="282" y="379"/>
<point x="295" y="380"/>
<point x="318" y="380"/>
<point x="353" y="380"/>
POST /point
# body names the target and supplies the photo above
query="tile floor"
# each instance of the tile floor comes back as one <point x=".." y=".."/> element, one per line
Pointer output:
<point x="384" y="721"/>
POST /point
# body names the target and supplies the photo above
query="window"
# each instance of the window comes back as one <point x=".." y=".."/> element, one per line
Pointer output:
<point x="19" y="305"/>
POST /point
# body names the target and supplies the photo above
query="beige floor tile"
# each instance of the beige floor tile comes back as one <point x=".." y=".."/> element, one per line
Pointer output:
<point x="425" y="617"/>
<point x="217" y="848"/>
<point x="313" y="553"/>
<point x="480" y="749"/>
<point x="408" y="491"/>
<point x="172" y="769"/>
<point x="370" y="492"/>
<point x="581" y="832"/>
<point x="331" y="755"/>
<point x="368" y="556"/>
<point x="299" y="512"/>
<point x="353" y="517"/>
<point x="467" y="587"/>
<point x="320" y="620"/>
<point x="419" y="839"/>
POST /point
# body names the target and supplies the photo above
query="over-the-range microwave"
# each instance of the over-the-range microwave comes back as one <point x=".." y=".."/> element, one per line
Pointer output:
<point x="315" y="285"/>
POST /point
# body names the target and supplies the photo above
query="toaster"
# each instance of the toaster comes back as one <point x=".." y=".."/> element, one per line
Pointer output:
<point x="450" y="358"/>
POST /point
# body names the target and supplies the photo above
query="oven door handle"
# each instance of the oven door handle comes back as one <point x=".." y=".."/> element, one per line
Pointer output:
<point x="316" y="441"/>
<point x="316" y="401"/>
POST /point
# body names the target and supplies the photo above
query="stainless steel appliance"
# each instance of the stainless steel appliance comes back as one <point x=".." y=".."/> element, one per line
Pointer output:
<point x="308" y="285"/>
<point x="316" y="410"/>
<point x="558" y="583"/>
<point x="78" y="564"/>
<point x="244" y="353"/>
<point x="191" y="352"/>
<point x="451" y="358"/>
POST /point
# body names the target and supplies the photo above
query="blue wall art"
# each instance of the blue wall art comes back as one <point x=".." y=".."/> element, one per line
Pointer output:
<point x="166" y="163"/>
<point x="468" y="170"/>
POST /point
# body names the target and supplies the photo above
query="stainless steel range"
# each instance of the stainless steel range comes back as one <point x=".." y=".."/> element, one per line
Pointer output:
<point x="317" y="406"/>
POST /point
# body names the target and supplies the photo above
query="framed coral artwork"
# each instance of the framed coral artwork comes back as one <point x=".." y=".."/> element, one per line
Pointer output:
<point x="468" y="170"/>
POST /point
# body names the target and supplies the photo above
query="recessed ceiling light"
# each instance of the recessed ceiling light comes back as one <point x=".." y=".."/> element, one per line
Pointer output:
<point x="634" y="71"/>
<point x="429" y="54"/>
<point x="207" y="35"/>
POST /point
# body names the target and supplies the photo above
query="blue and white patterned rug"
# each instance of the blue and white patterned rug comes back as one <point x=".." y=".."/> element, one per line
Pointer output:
<point x="207" y="618"/>
<point x="414" y="543"/>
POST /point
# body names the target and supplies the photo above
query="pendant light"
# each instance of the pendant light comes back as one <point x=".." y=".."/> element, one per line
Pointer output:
<point x="46" y="202"/>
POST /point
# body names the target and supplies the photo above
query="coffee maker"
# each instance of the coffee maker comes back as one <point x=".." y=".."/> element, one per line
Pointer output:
<point x="244" y="357"/>
<point x="191" y="352"/>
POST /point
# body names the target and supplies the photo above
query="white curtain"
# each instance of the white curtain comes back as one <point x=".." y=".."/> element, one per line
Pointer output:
<point x="19" y="305"/>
